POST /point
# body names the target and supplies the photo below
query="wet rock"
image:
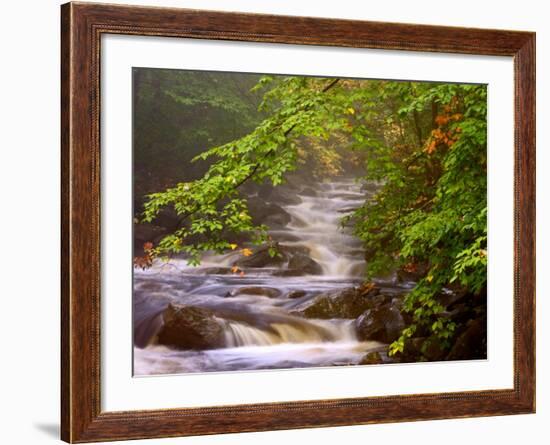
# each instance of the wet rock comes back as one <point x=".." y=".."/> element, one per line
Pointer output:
<point x="433" y="350"/>
<point x="412" y="352"/>
<point x="308" y="191"/>
<point x="415" y="273"/>
<point x="383" y="324"/>
<point x="378" y="299"/>
<point x="269" y="292"/>
<point x="285" y="364"/>
<point x="145" y="233"/>
<point x="460" y="313"/>
<point x="304" y="265"/>
<point x="471" y="343"/>
<point x="148" y="286"/>
<point x="190" y="327"/>
<point x="263" y="212"/>
<point x="453" y="298"/>
<point x="347" y="303"/>
<point x="215" y="271"/>
<point x="398" y="301"/>
<point x="421" y="349"/>
<point x="262" y="258"/>
<point x="292" y="261"/>
<point x="284" y="236"/>
<point x="372" y="358"/>
<point x="296" y="294"/>
<point x="279" y="195"/>
<point x="278" y="218"/>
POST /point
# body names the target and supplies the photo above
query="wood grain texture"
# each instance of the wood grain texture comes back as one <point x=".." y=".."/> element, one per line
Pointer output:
<point x="82" y="27"/>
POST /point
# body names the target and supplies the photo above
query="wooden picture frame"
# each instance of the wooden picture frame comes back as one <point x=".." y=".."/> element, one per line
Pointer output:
<point x="82" y="26"/>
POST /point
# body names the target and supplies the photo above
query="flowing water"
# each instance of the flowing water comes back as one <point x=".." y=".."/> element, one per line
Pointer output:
<point x="261" y="332"/>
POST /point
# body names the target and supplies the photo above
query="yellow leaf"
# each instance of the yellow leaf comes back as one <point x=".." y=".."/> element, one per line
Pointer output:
<point x="350" y="110"/>
<point x="234" y="269"/>
<point x="233" y="246"/>
<point x="246" y="252"/>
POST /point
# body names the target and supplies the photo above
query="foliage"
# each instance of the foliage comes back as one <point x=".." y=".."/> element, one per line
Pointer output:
<point x="211" y="207"/>
<point x="179" y="114"/>
<point x="431" y="211"/>
<point x="424" y="144"/>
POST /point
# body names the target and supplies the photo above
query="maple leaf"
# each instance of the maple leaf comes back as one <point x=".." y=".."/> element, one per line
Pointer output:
<point x="246" y="252"/>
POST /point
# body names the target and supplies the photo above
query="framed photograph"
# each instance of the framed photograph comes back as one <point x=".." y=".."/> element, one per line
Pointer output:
<point x="274" y="222"/>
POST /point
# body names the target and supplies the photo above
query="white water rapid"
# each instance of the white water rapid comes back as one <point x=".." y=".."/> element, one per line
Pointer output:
<point x="261" y="332"/>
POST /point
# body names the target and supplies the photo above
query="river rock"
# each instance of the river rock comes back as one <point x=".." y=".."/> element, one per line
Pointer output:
<point x="269" y="292"/>
<point x="458" y="297"/>
<point x="414" y="273"/>
<point x="371" y="358"/>
<point x="279" y="195"/>
<point x="214" y="270"/>
<point x="308" y="191"/>
<point x="383" y="324"/>
<point x="190" y="327"/>
<point x="471" y="343"/>
<point x="459" y="313"/>
<point x="263" y="212"/>
<point x="283" y="236"/>
<point x="347" y="303"/>
<point x="262" y="258"/>
<point x="422" y="349"/>
<point x="302" y="264"/>
<point x="280" y="218"/>
<point x="296" y="294"/>
<point x="291" y="261"/>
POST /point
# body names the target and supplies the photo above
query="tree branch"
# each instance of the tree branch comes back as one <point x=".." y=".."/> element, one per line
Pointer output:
<point x="326" y="88"/>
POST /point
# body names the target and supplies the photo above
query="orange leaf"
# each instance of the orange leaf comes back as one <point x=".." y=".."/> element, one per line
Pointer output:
<point x="441" y="120"/>
<point x="431" y="148"/>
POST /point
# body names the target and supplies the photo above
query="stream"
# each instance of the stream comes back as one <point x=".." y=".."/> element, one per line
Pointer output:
<point x="261" y="332"/>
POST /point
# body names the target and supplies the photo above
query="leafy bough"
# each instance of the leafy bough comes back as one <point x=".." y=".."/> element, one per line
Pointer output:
<point x="211" y="210"/>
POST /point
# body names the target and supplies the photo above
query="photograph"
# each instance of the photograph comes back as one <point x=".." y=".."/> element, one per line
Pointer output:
<point x="233" y="222"/>
<point x="284" y="221"/>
